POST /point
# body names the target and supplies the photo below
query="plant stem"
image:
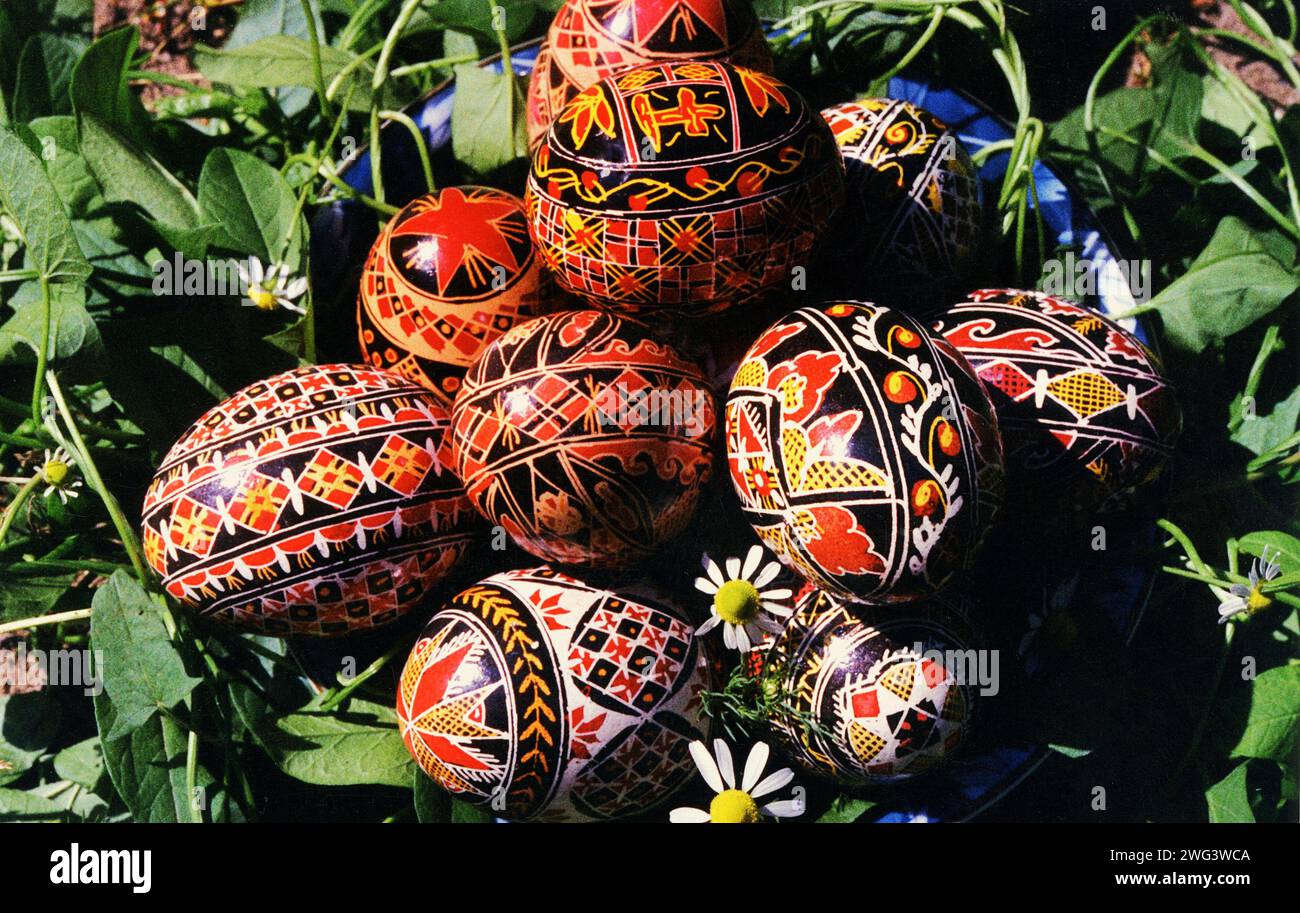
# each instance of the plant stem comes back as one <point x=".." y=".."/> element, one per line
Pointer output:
<point x="420" y="146"/>
<point x="42" y="354"/>
<point x="16" y="504"/>
<point x="192" y="775"/>
<point x="313" y="37"/>
<point x="91" y="472"/>
<point x="361" y="677"/>
<point x="24" y="624"/>
<point x="377" y="85"/>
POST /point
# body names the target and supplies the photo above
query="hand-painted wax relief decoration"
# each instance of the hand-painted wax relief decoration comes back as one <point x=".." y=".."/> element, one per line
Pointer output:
<point x="909" y="228"/>
<point x="592" y="39"/>
<point x="448" y="274"/>
<point x="681" y="190"/>
<point x="539" y="696"/>
<point x="893" y="691"/>
<point x="585" y="438"/>
<point x="318" y="501"/>
<point x="864" y="451"/>
<point x="1084" y="408"/>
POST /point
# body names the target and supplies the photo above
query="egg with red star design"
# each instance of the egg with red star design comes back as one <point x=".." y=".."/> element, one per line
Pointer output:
<point x="541" y="696"/>
<point x="591" y="39"/>
<point x="319" y="501"/>
<point x="680" y="190"/>
<point x="864" y="451"/>
<point x="450" y="272"/>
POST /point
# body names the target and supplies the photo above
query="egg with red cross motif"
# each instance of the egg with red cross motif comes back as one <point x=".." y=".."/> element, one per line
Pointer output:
<point x="1085" y="409"/>
<point x="893" y="692"/>
<point x="541" y="696"/>
<point x="585" y="438"/>
<point x="450" y="272"/>
<point x="319" y="501"/>
<point x="684" y="189"/>
<point x="591" y="39"/>
<point x="864" y="451"/>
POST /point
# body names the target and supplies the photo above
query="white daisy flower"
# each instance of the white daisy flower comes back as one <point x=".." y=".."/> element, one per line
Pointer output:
<point x="738" y="804"/>
<point x="1240" y="598"/>
<point x="740" y="604"/>
<point x="271" y="288"/>
<point x="57" y="473"/>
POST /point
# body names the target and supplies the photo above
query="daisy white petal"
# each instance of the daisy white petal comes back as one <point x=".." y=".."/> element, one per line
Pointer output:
<point x="713" y="622"/>
<point x="707" y="766"/>
<point x="725" y="765"/>
<point x="714" y="572"/>
<point x="786" y="808"/>
<point x="706" y="586"/>
<point x="754" y="765"/>
<point x="783" y="593"/>
<point x="255" y="271"/>
<point x="688" y="816"/>
<point x="776" y="608"/>
<point x="772" y="782"/>
<point x="290" y="306"/>
<point x="752" y="557"/>
<point x="771" y="625"/>
<point x="767" y="574"/>
<point x="742" y="638"/>
<point x="296" y="287"/>
<point x="729" y="636"/>
<point x="733" y="568"/>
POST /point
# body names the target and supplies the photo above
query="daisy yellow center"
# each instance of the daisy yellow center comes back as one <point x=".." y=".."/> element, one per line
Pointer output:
<point x="736" y="601"/>
<point x="55" y="472"/>
<point x="1257" y="601"/>
<point x="733" y="806"/>
<point x="262" y="298"/>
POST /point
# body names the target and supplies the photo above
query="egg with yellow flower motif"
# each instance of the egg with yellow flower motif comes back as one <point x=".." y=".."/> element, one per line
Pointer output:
<point x="864" y="451"/>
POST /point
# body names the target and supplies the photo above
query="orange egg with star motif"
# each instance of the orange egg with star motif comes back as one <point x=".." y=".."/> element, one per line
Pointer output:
<point x="449" y="273"/>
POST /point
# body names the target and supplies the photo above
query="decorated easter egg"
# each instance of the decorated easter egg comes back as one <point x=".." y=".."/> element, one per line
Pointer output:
<point x="318" y="501"/>
<point x="452" y="271"/>
<point x="585" y="438"/>
<point x="591" y="39"/>
<point x="866" y="695"/>
<point x="908" y="230"/>
<point x="539" y="696"/>
<point x="864" y="451"/>
<point x="682" y="189"/>
<point x="1084" y="408"/>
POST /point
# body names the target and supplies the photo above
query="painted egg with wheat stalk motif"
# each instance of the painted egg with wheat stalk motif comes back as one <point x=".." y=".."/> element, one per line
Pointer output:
<point x="678" y="190"/>
<point x="864" y="451"/>
<point x="319" y="501"/>
<point x="868" y="695"/>
<point x="540" y="696"/>
<point x="450" y="272"/>
<point x="591" y="39"/>
<point x="1084" y="407"/>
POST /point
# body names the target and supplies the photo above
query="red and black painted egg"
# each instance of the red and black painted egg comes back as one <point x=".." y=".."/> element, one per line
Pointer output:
<point x="539" y="696"/>
<point x="319" y="501"/>
<point x="1084" y="407"/>
<point x="591" y="39"/>
<point x="864" y="451"/>
<point x="450" y="272"/>
<point x="583" y="436"/>
<point x="682" y="189"/>
<point x="894" y="691"/>
<point x="908" y="232"/>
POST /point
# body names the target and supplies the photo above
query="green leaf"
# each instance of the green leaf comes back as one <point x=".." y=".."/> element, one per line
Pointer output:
<point x="1261" y="433"/>
<point x="82" y="763"/>
<point x="26" y="193"/>
<point x="355" y="745"/>
<point x="488" y="130"/>
<point x="283" y="60"/>
<point x="113" y="138"/>
<point x="68" y="171"/>
<point x="845" y="810"/>
<point x="260" y="19"/>
<point x="1282" y="548"/>
<point x="27" y="597"/>
<point x="1212" y="300"/>
<point x="252" y="203"/>
<point x="45" y="76"/>
<point x="72" y="330"/>
<point x="28" y="724"/>
<point x="18" y="806"/>
<point x="1273" y="723"/>
<point x="434" y="805"/>
<point x="476" y="16"/>
<point x="147" y="767"/>
<point x="142" y="670"/>
<point x="1227" y="799"/>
